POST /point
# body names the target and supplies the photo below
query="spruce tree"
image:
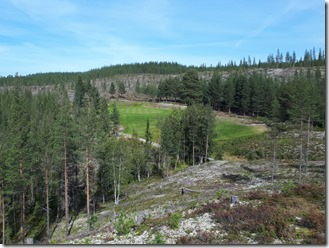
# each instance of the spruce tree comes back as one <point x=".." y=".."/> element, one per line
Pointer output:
<point x="191" y="91"/>
<point x="112" y="89"/>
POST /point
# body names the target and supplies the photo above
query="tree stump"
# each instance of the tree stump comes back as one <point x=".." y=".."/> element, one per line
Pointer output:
<point x="234" y="199"/>
<point x="30" y="241"/>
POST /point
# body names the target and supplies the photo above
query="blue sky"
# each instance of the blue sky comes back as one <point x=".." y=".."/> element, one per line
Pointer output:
<point x="78" y="35"/>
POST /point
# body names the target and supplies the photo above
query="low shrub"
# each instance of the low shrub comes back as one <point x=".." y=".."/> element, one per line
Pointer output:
<point x="92" y="220"/>
<point x="175" y="218"/>
<point x="158" y="239"/>
<point x="257" y="195"/>
<point x="202" y="238"/>
<point x="311" y="192"/>
<point x="288" y="188"/>
<point x="221" y="194"/>
<point x="123" y="224"/>
<point x="315" y="220"/>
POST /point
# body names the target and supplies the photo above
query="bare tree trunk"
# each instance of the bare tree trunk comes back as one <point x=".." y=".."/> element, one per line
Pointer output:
<point x="47" y="203"/>
<point x="193" y="152"/>
<point x="114" y="181"/>
<point x="207" y="140"/>
<point x="115" y="192"/>
<point x="139" y="174"/>
<point x="87" y="189"/>
<point x="23" y="203"/>
<point x="66" y="191"/>
<point x="177" y="158"/>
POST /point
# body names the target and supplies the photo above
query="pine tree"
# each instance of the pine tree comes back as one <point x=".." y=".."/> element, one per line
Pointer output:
<point x="79" y="92"/>
<point x="229" y="93"/>
<point x="121" y="88"/>
<point x="115" y="118"/>
<point x="112" y="89"/>
<point x="191" y="91"/>
<point x="215" y="91"/>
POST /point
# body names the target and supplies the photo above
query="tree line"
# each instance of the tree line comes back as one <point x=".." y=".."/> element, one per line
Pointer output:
<point x="252" y="94"/>
<point x="279" y="60"/>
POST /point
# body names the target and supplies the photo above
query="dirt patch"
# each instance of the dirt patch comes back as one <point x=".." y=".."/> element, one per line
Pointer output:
<point x="166" y="105"/>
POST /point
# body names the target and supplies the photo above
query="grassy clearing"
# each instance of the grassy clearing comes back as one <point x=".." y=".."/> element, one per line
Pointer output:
<point x="133" y="116"/>
<point x="229" y="129"/>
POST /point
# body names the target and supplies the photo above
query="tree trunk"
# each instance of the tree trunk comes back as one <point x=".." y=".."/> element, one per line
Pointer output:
<point x="207" y="140"/>
<point x="115" y="192"/>
<point x="22" y="202"/>
<point x="114" y="181"/>
<point x="139" y="174"/>
<point x="119" y="180"/>
<point x="66" y="191"/>
<point x="193" y="153"/>
<point x="300" y="154"/>
<point x="87" y="189"/>
<point x="177" y="159"/>
<point x="307" y="144"/>
<point x="47" y="204"/>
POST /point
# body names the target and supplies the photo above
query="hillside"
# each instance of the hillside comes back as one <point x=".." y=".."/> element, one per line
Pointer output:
<point x="130" y="80"/>
<point x="160" y="213"/>
<point x="103" y="82"/>
<point x="74" y="170"/>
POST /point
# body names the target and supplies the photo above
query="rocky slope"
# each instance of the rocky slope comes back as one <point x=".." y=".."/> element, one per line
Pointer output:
<point x="162" y="214"/>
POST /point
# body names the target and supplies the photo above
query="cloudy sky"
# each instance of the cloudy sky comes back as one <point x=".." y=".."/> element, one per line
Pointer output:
<point x="78" y="35"/>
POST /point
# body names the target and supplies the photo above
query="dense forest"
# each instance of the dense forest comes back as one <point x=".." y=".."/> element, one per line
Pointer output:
<point x="302" y="96"/>
<point x="58" y="156"/>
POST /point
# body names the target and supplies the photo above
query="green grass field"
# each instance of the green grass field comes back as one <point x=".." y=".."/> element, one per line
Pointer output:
<point x="133" y="116"/>
<point x="228" y="130"/>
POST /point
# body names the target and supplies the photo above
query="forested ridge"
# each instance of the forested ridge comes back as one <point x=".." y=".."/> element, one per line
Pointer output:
<point x="310" y="58"/>
<point x="60" y="156"/>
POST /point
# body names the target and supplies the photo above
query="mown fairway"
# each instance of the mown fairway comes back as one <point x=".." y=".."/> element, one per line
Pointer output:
<point x="133" y="116"/>
<point x="228" y="129"/>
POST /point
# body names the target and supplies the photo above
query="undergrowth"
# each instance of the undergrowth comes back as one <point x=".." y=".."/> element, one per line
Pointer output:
<point x="276" y="217"/>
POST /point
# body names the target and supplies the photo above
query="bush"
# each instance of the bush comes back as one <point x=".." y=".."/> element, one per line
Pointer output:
<point x="158" y="239"/>
<point x="174" y="220"/>
<point x="92" y="220"/>
<point x="315" y="220"/>
<point x="202" y="238"/>
<point x="181" y="166"/>
<point x="221" y="194"/>
<point x="123" y="224"/>
<point x="311" y="192"/>
<point x="257" y="195"/>
<point x="288" y="187"/>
